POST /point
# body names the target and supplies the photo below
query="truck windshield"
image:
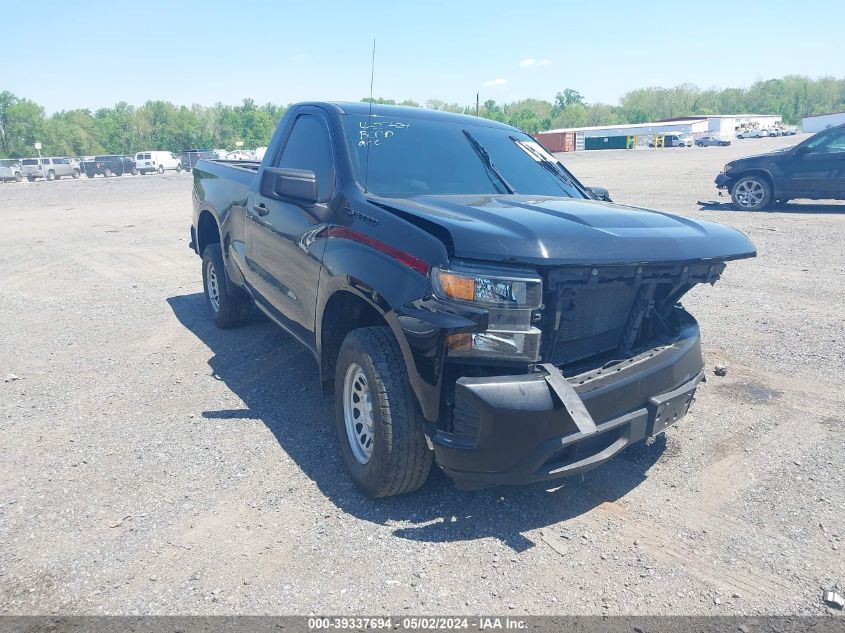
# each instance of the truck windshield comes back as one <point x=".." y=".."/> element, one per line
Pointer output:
<point x="415" y="157"/>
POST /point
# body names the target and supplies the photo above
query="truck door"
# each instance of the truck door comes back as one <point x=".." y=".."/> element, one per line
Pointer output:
<point x="284" y="263"/>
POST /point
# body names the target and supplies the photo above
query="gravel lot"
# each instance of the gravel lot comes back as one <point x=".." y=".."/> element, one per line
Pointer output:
<point x="151" y="464"/>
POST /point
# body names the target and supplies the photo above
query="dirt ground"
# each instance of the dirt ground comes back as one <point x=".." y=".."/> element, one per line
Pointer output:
<point x="151" y="464"/>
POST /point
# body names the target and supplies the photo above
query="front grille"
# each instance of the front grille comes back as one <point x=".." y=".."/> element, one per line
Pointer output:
<point x="593" y="320"/>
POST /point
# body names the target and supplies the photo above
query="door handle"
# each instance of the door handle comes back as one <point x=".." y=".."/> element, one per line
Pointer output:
<point x="261" y="209"/>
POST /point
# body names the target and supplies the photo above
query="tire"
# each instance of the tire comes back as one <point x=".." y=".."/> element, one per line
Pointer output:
<point x="107" y="172"/>
<point x="161" y="169"/>
<point x="751" y="193"/>
<point x="134" y="172"/>
<point x="18" y="176"/>
<point x="76" y="174"/>
<point x="51" y="175"/>
<point x="393" y="458"/>
<point x="179" y="169"/>
<point x="231" y="306"/>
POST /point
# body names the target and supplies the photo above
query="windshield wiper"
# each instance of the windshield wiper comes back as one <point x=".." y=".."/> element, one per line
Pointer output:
<point x="553" y="167"/>
<point x="488" y="163"/>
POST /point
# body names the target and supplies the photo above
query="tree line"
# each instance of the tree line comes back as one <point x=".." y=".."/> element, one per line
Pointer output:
<point x="125" y="129"/>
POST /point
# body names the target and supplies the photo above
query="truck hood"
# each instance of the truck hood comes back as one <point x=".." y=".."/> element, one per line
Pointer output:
<point x="561" y="231"/>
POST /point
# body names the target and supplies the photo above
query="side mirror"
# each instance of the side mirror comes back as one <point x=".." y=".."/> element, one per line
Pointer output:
<point x="600" y="193"/>
<point x="295" y="185"/>
<point x="803" y="150"/>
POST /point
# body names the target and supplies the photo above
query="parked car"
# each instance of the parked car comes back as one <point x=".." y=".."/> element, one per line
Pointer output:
<point x="755" y="133"/>
<point x="674" y="140"/>
<point x="53" y="168"/>
<point x="706" y="141"/>
<point x="157" y="161"/>
<point x="466" y="298"/>
<point x="10" y="170"/>
<point x="812" y="169"/>
<point x="191" y="156"/>
<point x="111" y="165"/>
<point x="240" y="154"/>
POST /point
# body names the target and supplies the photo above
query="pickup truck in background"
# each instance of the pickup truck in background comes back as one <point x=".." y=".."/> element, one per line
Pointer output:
<point x="467" y="300"/>
<point x="111" y="165"/>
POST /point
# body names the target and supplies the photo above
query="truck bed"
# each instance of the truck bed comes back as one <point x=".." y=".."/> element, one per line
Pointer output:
<point x="239" y="171"/>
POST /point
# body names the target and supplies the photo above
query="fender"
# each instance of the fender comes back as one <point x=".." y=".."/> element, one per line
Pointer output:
<point x="759" y="171"/>
<point x="397" y="293"/>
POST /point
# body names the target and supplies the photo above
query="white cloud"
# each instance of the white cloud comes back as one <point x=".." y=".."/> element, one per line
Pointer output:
<point x="492" y="83"/>
<point x="530" y="62"/>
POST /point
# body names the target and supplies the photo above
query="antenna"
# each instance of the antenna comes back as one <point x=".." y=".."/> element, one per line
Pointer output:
<point x="370" y="117"/>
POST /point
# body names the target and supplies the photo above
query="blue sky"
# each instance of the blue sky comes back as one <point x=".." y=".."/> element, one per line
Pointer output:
<point x="98" y="53"/>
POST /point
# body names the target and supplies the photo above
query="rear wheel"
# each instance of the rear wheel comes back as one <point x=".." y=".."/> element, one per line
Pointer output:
<point x="378" y="427"/>
<point x="230" y="306"/>
<point x="161" y="169"/>
<point x="751" y="193"/>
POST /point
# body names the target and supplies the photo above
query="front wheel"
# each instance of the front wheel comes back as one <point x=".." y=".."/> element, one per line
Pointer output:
<point x="230" y="306"/>
<point x="751" y="193"/>
<point x="161" y="169"/>
<point x="378" y="427"/>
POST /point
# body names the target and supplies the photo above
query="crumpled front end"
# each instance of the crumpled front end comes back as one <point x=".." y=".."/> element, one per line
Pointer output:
<point x="620" y="361"/>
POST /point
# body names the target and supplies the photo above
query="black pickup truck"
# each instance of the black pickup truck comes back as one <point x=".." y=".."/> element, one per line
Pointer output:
<point x="467" y="300"/>
<point x="112" y="165"/>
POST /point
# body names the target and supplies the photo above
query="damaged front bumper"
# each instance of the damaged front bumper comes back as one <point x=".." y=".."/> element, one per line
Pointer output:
<point x="723" y="181"/>
<point x="541" y="426"/>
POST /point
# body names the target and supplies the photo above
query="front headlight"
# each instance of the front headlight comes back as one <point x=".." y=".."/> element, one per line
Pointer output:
<point x="510" y="298"/>
<point x="727" y="168"/>
<point x="488" y="288"/>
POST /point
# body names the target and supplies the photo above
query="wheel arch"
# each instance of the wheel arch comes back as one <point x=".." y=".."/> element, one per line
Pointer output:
<point x="767" y="175"/>
<point x="208" y="230"/>
<point x="346" y="309"/>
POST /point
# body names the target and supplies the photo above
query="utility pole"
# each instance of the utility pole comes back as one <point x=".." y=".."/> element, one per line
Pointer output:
<point x="476" y="104"/>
